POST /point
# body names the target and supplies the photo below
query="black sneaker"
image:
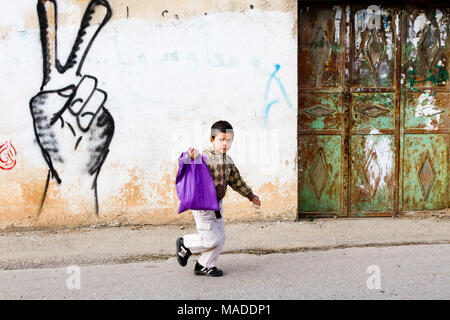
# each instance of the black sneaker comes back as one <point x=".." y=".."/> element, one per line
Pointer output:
<point x="183" y="253"/>
<point x="203" y="271"/>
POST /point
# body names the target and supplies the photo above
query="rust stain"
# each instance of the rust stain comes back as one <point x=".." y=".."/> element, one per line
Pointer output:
<point x="279" y="201"/>
<point x="32" y="191"/>
<point x="136" y="192"/>
<point x="165" y="189"/>
<point x="132" y="195"/>
<point x="19" y="193"/>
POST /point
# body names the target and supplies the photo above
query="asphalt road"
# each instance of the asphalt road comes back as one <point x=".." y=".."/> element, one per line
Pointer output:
<point x="405" y="272"/>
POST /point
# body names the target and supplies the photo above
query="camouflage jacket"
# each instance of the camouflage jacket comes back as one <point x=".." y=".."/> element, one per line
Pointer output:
<point x="224" y="172"/>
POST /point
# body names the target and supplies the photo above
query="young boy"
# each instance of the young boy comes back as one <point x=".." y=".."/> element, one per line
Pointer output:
<point x="210" y="238"/>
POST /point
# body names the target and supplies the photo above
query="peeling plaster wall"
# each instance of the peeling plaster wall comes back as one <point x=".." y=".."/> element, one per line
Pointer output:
<point x="170" y="69"/>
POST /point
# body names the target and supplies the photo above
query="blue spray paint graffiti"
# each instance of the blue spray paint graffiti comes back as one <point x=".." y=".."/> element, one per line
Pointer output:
<point x="268" y="105"/>
<point x="219" y="57"/>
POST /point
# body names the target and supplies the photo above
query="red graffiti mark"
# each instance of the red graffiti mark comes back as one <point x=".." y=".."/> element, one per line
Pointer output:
<point x="7" y="156"/>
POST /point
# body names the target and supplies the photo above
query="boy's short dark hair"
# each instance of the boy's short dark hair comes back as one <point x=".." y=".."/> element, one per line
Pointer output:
<point x="221" y="126"/>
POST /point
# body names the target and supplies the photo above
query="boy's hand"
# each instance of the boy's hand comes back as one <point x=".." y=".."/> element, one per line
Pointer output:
<point x="256" y="201"/>
<point x="193" y="153"/>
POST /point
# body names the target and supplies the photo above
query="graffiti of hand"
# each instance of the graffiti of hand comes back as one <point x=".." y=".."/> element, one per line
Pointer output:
<point x="72" y="126"/>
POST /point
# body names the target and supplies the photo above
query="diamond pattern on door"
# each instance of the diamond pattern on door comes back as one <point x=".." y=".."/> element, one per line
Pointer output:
<point x="374" y="110"/>
<point x="426" y="175"/>
<point x="372" y="173"/>
<point x="375" y="49"/>
<point x="320" y="49"/>
<point x="318" y="111"/>
<point x="428" y="47"/>
<point x="425" y="172"/>
<point x="319" y="174"/>
<point x="320" y="179"/>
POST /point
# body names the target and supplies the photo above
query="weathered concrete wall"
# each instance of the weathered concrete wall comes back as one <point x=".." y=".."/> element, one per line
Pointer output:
<point x="169" y="69"/>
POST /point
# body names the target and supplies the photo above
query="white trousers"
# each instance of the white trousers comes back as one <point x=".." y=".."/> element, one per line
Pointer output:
<point x="210" y="238"/>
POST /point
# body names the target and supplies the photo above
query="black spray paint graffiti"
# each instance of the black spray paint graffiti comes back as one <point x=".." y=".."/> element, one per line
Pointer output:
<point x="72" y="126"/>
<point x="165" y="12"/>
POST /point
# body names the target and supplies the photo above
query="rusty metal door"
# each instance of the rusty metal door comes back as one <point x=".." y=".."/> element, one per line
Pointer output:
<point x="373" y="120"/>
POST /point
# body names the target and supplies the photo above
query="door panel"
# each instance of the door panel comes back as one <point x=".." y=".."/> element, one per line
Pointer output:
<point x="321" y="111"/>
<point x="372" y="182"/>
<point x="426" y="46"/>
<point x="425" y="174"/>
<point x="373" y="114"/>
<point x="320" y="46"/>
<point x="320" y="185"/>
<point x="373" y="111"/>
<point x="321" y="116"/>
<point x="374" y="50"/>
<point x="427" y="111"/>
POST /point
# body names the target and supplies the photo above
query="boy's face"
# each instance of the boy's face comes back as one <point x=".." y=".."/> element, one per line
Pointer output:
<point x="222" y="142"/>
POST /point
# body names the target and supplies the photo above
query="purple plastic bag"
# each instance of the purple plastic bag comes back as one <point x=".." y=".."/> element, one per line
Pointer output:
<point x="194" y="184"/>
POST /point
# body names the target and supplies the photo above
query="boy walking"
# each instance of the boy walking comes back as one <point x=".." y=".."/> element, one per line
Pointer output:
<point x="210" y="238"/>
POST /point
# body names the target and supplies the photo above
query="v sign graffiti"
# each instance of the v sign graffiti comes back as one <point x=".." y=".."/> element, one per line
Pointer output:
<point x="72" y="126"/>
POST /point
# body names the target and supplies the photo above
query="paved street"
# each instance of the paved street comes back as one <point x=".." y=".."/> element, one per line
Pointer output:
<point x="406" y="272"/>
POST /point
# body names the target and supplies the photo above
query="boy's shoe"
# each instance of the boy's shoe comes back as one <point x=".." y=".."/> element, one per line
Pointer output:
<point x="183" y="253"/>
<point x="203" y="271"/>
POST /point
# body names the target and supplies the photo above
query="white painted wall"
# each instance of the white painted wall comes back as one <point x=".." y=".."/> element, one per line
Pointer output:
<point x="167" y="82"/>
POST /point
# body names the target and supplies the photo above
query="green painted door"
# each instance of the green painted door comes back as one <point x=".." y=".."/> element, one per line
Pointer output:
<point x="425" y="138"/>
<point x="321" y="116"/>
<point x="373" y="120"/>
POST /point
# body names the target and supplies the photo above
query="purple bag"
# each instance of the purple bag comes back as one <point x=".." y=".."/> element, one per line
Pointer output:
<point x="194" y="184"/>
